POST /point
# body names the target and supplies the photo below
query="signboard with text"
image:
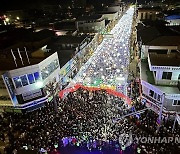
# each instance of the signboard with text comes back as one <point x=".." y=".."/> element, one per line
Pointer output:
<point x="9" y="87"/>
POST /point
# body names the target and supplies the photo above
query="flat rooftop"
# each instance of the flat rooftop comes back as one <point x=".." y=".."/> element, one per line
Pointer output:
<point x="91" y="17"/>
<point x="7" y="62"/>
<point x="147" y="9"/>
<point x="68" y="39"/>
<point x="106" y="12"/>
<point x="147" y="75"/>
<point x="158" y="35"/>
<point x="165" y="59"/>
<point x="165" y="41"/>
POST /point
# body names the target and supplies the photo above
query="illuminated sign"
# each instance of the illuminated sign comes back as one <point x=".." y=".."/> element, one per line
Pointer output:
<point x="9" y="88"/>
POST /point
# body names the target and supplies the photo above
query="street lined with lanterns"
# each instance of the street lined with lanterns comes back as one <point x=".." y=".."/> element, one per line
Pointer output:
<point x="108" y="66"/>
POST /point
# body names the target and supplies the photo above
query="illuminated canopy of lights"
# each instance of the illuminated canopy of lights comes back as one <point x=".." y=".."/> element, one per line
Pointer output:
<point x="109" y="63"/>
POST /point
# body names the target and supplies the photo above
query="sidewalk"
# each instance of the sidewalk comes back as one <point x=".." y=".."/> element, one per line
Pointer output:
<point x="133" y="68"/>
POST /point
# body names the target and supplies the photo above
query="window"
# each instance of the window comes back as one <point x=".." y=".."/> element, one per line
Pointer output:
<point x="31" y="78"/>
<point x="36" y="76"/>
<point x="46" y="71"/>
<point x="56" y="63"/>
<point x="167" y="75"/>
<point x="151" y="93"/>
<point x="176" y="102"/>
<point x="17" y="82"/>
<point x="155" y="95"/>
<point x="146" y="14"/>
<point x="159" y="98"/>
<point x="150" y="16"/>
<point x="24" y="80"/>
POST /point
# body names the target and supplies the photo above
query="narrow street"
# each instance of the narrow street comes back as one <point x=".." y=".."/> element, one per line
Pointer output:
<point x="109" y="65"/>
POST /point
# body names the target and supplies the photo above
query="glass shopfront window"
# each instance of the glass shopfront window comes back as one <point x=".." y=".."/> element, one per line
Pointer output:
<point x="31" y="78"/>
<point x="36" y="76"/>
<point x="24" y="80"/>
<point x="17" y="82"/>
<point x="49" y="69"/>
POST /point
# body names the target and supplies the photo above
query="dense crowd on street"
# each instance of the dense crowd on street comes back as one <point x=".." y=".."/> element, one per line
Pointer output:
<point x="88" y="119"/>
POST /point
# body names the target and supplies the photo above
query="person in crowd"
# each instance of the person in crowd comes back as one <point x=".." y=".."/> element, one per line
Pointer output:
<point x="88" y="119"/>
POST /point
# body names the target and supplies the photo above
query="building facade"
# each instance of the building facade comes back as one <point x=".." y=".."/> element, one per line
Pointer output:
<point x="160" y="77"/>
<point x="90" y="24"/>
<point x="27" y="85"/>
<point x="148" y="14"/>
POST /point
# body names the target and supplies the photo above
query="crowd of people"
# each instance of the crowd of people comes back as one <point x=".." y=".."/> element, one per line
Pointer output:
<point x="88" y="119"/>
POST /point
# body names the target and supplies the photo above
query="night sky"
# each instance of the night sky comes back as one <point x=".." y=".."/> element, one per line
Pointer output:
<point x="24" y="4"/>
<point x="20" y="4"/>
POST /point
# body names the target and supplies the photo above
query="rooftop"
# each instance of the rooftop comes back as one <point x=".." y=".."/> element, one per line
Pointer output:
<point x="147" y="9"/>
<point x="65" y="56"/>
<point x="165" y="59"/>
<point x="165" y="41"/>
<point x="158" y="35"/>
<point x="169" y="89"/>
<point x="91" y="17"/>
<point x="106" y="12"/>
<point x="172" y="17"/>
<point x="147" y="76"/>
<point x="20" y="37"/>
<point x="10" y="64"/>
<point x="68" y="39"/>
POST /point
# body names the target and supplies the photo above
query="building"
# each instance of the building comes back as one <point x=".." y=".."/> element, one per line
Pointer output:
<point x="65" y="27"/>
<point x="115" y="8"/>
<point x="14" y="38"/>
<point x="67" y="48"/>
<point x="26" y="84"/>
<point x="111" y="16"/>
<point x="90" y="24"/>
<point x="148" y="13"/>
<point x="173" y="20"/>
<point x="160" y="70"/>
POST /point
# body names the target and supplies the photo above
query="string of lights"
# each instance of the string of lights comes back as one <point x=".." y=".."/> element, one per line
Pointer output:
<point x="108" y="66"/>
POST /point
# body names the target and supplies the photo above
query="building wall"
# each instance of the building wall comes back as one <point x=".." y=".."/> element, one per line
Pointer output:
<point x="28" y="82"/>
<point x="111" y="17"/>
<point x="90" y="26"/>
<point x="151" y="15"/>
<point x="116" y="8"/>
<point x="24" y="71"/>
<point x="145" y="49"/>
<point x="160" y="81"/>
<point x="168" y="100"/>
<point x="158" y="76"/>
<point x="174" y="22"/>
